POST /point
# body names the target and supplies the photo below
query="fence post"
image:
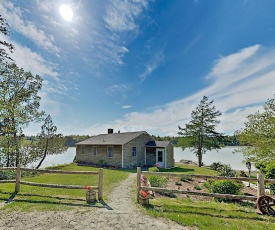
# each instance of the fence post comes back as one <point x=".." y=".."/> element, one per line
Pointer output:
<point x="18" y="178"/>
<point x="100" y="184"/>
<point x="138" y="181"/>
<point x="260" y="185"/>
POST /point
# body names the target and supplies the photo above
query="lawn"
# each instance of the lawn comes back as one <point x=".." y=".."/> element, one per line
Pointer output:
<point x="32" y="198"/>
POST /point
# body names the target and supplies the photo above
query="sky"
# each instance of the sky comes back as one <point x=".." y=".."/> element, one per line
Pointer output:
<point x="144" y="65"/>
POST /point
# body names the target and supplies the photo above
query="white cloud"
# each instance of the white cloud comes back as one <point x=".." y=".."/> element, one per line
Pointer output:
<point x="127" y="106"/>
<point x="117" y="89"/>
<point x="121" y="14"/>
<point x="14" y="16"/>
<point x="157" y="60"/>
<point x="239" y="84"/>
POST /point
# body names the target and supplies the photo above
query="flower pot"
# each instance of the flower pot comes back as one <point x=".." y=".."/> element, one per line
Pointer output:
<point x="143" y="200"/>
<point x="90" y="196"/>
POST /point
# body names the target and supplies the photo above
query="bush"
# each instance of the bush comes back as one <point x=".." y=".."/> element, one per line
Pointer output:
<point x="153" y="169"/>
<point x="157" y="181"/>
<point x="224" y="187"/>
<point x="226" y="170"/>
<point x="270" y="174"/>
<point x="7" y="175"/>
<point x="197" y="187"/>
<point x="215" y="165"/>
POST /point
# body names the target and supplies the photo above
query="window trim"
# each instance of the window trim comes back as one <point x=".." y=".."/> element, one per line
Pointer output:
<point x="112" y="153"/>
<point x="134" y="155"/>
<point x="94" y="153"/>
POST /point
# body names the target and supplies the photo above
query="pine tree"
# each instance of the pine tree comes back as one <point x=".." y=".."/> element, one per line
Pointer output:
<point x="199" y="134"/>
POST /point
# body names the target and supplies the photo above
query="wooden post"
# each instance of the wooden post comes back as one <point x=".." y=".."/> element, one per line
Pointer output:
<point x="18" y="178"/>
<point x="100" y="184"/>
<point x="138" y="181"/>
<point x="260" y="185"/>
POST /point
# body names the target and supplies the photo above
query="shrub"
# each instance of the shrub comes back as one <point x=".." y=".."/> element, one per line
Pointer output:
<point x="186" y="179"/>
<point x="7" y="175"/>
<point x="197" y="187"/>
<point x="261" y="166"/>
<point x="224" y="187"/>
<point x="215" y="165"/>
<point x="226" y="170"/>
<point x="157" y="181"/>
<point x="178" y="183"/>
<point x="270" y="174"/>
<point x="153" y="169"/>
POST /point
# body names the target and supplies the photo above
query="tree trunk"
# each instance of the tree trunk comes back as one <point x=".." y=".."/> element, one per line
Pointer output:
<point x="199" y="155"/>
<point x="45" y="154"/>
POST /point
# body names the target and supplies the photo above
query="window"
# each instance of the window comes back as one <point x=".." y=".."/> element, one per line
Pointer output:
<point x="94" y="150"/>
<point x="82" y="149"/>
<point x="110" y="151"/>
<point x="134" y="151"/>
<point x="160" y="156"/>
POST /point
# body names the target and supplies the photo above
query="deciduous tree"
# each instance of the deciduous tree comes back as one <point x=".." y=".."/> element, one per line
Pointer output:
<point x="258" y="135"/>
<point x="19" y="106"/>
<point x="49" y="141"/>
<point x="4" y="46"/>
<point x="199" y="134"/>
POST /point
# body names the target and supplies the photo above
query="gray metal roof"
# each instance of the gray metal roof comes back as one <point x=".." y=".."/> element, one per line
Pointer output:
<point x="111" y="138"/>
<point x="161" y="144"/>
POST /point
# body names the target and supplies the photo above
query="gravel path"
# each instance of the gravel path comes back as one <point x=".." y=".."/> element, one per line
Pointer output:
<point x="120" y="214"/>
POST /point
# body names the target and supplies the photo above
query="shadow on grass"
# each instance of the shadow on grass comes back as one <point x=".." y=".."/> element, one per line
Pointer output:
<point x="20" y="199"/>
<point x="177" y="169"/>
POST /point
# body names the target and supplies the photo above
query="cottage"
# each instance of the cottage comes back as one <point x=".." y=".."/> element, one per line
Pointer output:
<point x="125" y="150"/>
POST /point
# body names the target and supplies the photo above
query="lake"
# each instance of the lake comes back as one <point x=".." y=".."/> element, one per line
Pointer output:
<point x="224" y="155"/>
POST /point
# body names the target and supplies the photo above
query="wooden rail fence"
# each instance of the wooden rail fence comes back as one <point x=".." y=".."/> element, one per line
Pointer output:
<point x="18" y="180"/>
<point x="260" y="185"/>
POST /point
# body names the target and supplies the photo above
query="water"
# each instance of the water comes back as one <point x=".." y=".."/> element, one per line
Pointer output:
<point x="224" y="155"/>
<point x="51" y="160"/>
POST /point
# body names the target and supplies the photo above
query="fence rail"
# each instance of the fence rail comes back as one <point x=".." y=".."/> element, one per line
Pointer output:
<point x="260" y="185"/>
<point x="18" y="180"/>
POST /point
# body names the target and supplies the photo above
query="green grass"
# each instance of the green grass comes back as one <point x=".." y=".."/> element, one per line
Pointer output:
<point x="210" y="215"/>
<point x="191" y="169"/>
<point x="32" y="198"/>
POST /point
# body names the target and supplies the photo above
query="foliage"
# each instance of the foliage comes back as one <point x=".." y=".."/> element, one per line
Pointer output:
<point x="50" y="142"/>
<point x="261" y="167"/>
<point x="4" y="29"/>
<point x="224" y="187"/>
<point x="153" y="169"/>
<point x="199" y="133"/>
<point x="259" y="135"/>
<point x="197" y="187"/>
<point x="157" y="181"/>
<point x="226" y="170"/>
<point x="7" y="175"/>
<point x="270" y="174"/>
<point x="215" y="165"/>
<point x="18" y="108"/>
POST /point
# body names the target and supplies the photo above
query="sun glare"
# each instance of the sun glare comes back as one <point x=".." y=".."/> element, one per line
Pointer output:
<point x="66" y="12"/>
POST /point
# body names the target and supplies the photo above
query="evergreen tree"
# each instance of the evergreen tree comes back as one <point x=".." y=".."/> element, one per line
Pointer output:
<point x="199" y="134"/>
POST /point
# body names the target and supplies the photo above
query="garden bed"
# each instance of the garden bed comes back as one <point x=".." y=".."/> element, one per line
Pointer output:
<point x="195" y="184"/>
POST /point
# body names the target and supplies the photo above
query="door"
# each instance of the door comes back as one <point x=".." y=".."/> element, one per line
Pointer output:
<point x="160" y="156"/>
